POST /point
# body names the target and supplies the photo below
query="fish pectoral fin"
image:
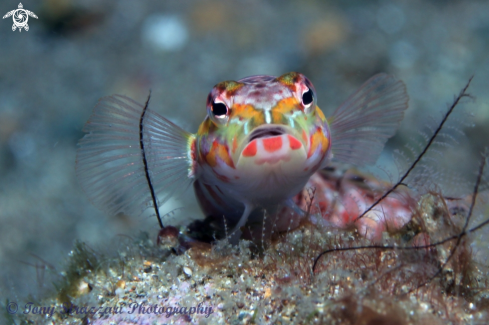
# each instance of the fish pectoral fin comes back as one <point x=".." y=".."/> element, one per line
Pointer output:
<point x="361" y="126"/>
<point x="132" y="157"/>
<point x="235" y="234"/>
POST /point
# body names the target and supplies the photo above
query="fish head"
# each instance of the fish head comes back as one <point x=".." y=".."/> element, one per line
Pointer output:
<point x="267" y="130"/>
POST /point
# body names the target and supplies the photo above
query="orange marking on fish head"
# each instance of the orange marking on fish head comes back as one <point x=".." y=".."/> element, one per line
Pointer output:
<point x="224" y="155"/>
<point x="210" y="158"/>
<point x="245" y="111"/>
<point x="284" y="107"/>
<point x="318" y="139"/>
<point x="221" y="151"/>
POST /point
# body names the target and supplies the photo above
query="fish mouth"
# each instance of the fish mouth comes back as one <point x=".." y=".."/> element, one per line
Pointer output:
<point x="267" y="132"/>
<point x="269" y="146"/>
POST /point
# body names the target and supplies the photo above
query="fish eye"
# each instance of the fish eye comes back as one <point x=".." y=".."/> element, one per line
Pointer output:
<point x="219" y="109"/>
<point x="307" y="98"/>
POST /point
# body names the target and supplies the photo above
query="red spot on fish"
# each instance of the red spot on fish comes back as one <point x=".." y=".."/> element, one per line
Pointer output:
<point x="272" y="144"/>
<point x="294" y="143"/>
<point x="250" y="149"/>
<point x="346" y="217"/>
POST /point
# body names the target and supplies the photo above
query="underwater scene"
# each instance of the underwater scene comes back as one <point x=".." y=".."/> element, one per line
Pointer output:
<point x="244" y="162"/>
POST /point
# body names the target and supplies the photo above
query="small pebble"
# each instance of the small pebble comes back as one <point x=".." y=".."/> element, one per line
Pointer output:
<point x="187" y="271"/>
<point x="84" y="288"/>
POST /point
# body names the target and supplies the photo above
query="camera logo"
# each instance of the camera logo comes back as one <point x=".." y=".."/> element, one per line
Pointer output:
<point x="20" y="17"/>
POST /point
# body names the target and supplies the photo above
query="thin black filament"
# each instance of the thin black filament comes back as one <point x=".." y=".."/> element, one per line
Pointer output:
<point x="145" y="162"/>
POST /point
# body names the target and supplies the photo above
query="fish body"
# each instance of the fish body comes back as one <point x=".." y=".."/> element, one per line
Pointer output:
<point x="262" y="140"/>
<point x="260" y="145"/>
<point x="341" y="195"/>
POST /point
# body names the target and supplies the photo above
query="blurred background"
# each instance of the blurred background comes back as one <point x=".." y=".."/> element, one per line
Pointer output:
<point x="78" y="51"/>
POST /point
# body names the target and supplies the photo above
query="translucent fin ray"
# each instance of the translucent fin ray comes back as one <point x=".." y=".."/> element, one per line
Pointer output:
<point x="362" y="124"/>
<point x="110" y="166"/>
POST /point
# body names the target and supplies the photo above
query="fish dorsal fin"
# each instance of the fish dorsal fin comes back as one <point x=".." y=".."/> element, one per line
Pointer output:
<point x="361" y="126"/>
<point x="130" y="156"/>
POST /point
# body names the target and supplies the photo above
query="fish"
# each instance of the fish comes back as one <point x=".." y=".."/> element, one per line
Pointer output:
<point x="261" y="141"/>
<point x="342" y="194"/>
